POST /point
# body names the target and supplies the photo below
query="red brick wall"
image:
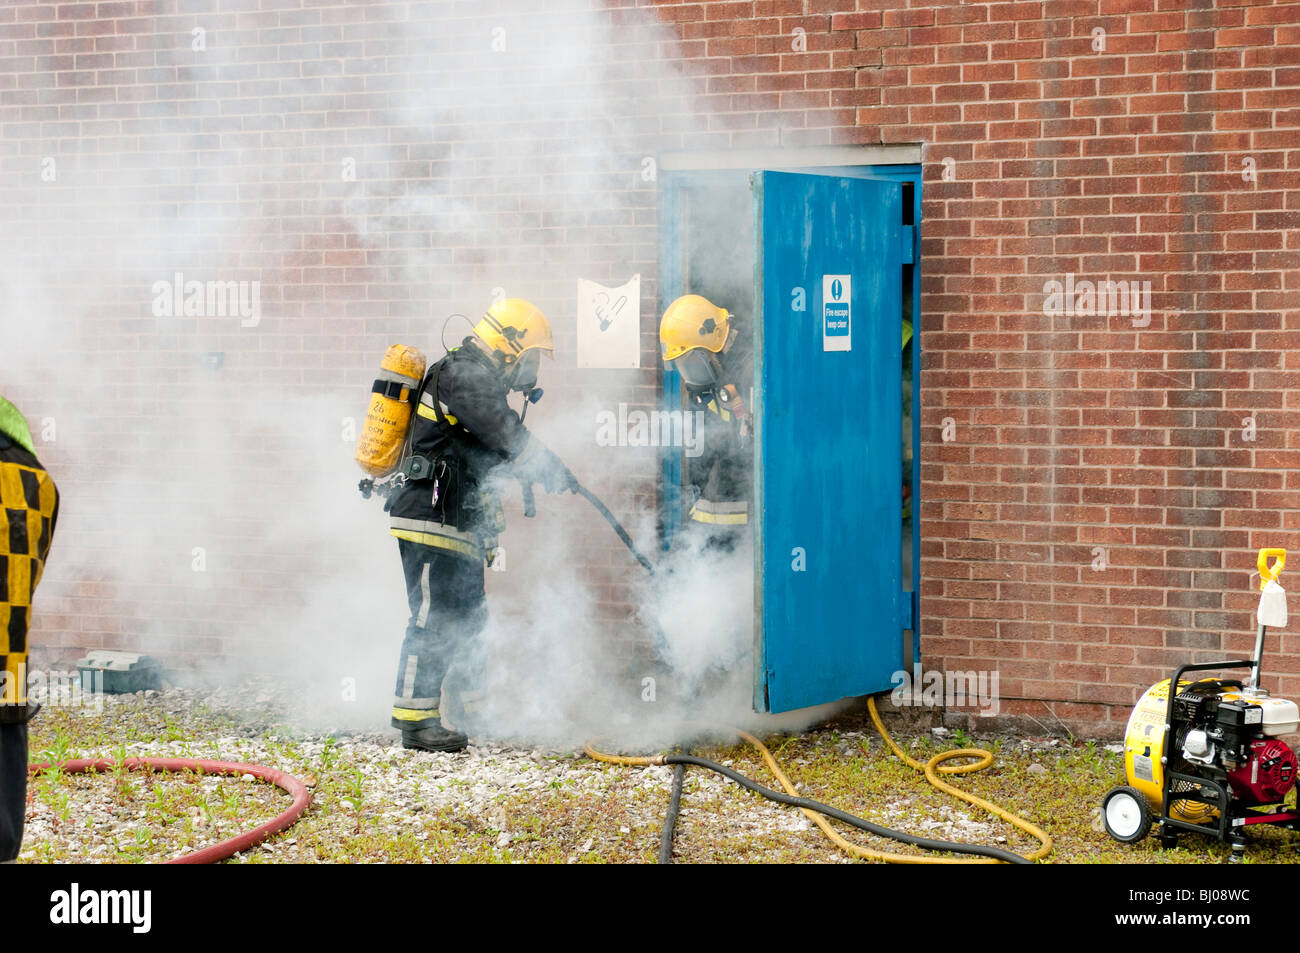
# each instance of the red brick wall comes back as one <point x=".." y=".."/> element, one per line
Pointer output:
<point x="1043" y="157"/>
<point x="1169" y="155"/>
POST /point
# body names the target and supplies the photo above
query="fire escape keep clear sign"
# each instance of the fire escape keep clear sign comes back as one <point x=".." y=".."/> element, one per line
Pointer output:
<point x="837" y="312"/>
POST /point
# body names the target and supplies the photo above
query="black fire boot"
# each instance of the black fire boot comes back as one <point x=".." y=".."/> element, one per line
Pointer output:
<point x="434" y="738"/>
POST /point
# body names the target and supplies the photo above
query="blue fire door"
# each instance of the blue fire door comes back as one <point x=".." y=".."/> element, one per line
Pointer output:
<point x="829" y="606"/>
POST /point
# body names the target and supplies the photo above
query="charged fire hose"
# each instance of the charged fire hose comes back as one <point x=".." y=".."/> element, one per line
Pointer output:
<point x="815" y="809"/>
<point x="530" y="509"/>
<point x="226" y="848"/>
<point x="623" y="534"/>
<point x="674" y="809"/>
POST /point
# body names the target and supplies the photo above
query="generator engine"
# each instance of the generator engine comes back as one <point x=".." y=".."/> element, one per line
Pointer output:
<point x="1220" y="734"/>
<point x="1267" y="776"/>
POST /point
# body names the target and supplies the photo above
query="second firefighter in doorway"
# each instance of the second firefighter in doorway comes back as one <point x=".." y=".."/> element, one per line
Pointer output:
<point x="701" y="341"/>
<point x="446" y="519"/>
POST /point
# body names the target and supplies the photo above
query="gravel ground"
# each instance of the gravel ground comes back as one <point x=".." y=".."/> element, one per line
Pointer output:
<point x="373" y="801"/>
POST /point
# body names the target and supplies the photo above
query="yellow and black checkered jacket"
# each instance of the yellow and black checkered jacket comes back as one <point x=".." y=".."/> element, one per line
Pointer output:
<point x="29" y="508"/>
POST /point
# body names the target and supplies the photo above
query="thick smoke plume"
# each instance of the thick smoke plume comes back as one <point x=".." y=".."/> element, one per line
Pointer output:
<point x="331" y="199"/>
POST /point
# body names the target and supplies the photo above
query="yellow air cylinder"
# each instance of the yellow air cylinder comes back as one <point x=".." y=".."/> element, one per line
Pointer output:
<point x="383" y="435"/>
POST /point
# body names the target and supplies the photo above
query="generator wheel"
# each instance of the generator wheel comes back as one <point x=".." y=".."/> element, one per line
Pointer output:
<point x="1125" y="815"/>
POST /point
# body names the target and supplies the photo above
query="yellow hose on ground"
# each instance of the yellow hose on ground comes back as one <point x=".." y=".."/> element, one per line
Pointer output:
<point x="932" y="768"/>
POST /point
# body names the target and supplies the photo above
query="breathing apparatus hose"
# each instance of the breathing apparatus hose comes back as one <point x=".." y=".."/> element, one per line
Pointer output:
<point x="815" y="809"/>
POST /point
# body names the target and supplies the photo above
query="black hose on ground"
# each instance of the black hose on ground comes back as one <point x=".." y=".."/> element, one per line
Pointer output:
<point x="847" y="818"/>
<point x="681" y="760"/>
<point x="674" y="809"/>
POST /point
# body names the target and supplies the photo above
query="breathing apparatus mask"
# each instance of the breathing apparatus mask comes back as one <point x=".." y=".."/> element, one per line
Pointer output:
<point x="522" y="374"/>
<point x="700" y="368"/>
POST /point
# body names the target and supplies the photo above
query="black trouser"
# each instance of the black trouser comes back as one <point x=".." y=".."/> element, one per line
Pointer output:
<point x="13" y="788"/>
<point x="448" y="609"/>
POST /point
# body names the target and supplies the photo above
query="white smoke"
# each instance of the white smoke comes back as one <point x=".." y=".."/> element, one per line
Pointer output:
<point x="209" y="512"/>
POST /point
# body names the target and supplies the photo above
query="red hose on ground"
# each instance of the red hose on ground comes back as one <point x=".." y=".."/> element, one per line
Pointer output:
<point x="226" y="848"/>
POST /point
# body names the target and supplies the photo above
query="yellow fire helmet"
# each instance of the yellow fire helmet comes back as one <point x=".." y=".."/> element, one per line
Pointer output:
<point x="690" y="322"/>
<point x="514" y="326"/>
<point x="517" y="330"/>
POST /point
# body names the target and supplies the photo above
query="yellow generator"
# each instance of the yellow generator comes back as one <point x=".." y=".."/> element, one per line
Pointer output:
<point x="1208" y="756"/>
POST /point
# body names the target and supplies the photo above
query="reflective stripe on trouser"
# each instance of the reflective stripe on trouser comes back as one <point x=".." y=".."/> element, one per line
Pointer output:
<point x="711" y="511"/>
<point x="414" y="717"/>
<point x="448" y="609"/>
<point x="438" y="535"/>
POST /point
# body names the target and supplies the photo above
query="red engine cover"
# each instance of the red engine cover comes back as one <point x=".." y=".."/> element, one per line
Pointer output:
<point x="1268" y="775"/>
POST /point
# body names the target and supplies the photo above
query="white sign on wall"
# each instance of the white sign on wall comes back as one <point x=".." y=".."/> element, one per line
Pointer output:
<point x="609" y="324"/>
<point x="837" y="312"/>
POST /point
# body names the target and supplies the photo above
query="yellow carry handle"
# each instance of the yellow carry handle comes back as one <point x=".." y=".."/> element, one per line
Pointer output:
<point x="1269" y="573"/>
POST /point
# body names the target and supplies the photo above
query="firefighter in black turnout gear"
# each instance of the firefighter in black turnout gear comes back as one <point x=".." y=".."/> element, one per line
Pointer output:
<point x="446" y="520"/>
<point x="708" y="552"/>
<point x="29" y="509"/>
<point x="700" y="341"/>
